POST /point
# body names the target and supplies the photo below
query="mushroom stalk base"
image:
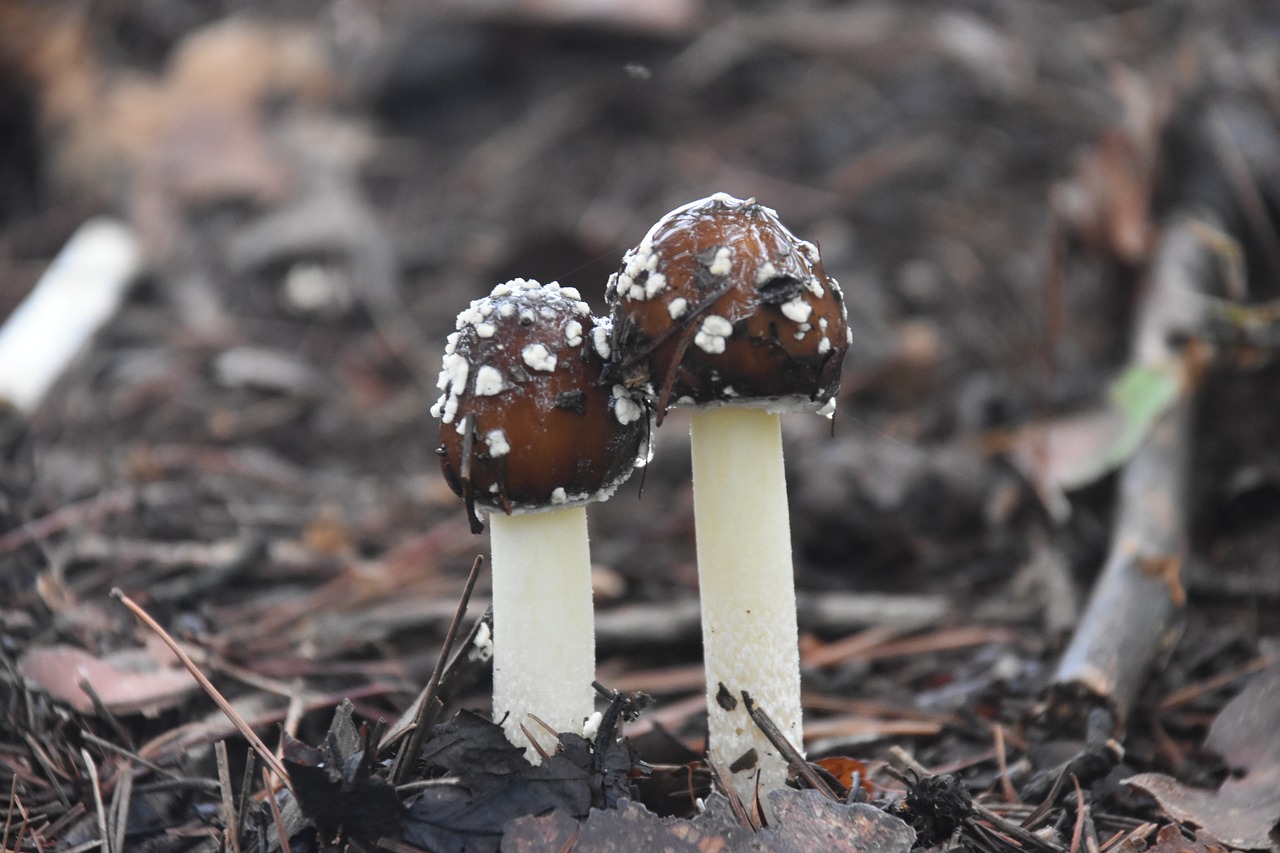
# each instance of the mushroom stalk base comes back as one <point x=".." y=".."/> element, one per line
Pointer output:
<point x="543" y="633"/>
<point x="749" y="633"/>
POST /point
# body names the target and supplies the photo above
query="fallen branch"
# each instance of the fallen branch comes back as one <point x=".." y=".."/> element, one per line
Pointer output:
<point x="1130" y="615"/>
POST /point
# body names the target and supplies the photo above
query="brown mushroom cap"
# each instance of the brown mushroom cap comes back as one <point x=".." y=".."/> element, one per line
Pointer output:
<point x="526" y="420"/>
<point x="721" y="305"/>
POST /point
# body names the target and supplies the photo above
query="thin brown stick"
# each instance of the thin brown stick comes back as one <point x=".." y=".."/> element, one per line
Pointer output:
<point x="70" y="816"/>
<point x="868" y="708"/>
<point x="426" y="700"/>
<point x="267" y="756"/>
<point x="230" y="831"/>
<point x="246" y="793"/>
<point x="856" y="725"/>
<point x="100" y="708"/>
<point x="1011" y="829"/>
<point x="1006" y="787"/>
<point x="1194" y="691"/>
<point x="188" y="735"/>
<point x="394" y="845"/>
<point x="72" y="515"/>
<point x="103" y="743"/>
<point x="276" y="817"/>
<point x="1106" y="845"/>
<point x="853" y="646"/>
<point x="973" y="759"/>
<point x="785" y="748"/>
<point x="52" y="771"/>
<point x="942" y="640"/>
<point x="22" y="830"/>
<point x="537" y="747"/>
<point x="735" y="802"/>
<point x="670" y="679"/>
<point x="572" y="839"/>
<point x="1138" y="833"/>
<point x="1041" y="812"/>
<point x="8" y="818"/>
<point x="900" y="758"/>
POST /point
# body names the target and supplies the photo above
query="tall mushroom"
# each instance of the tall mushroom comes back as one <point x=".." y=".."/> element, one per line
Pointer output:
<point x="725" y="310"/>
<point x="532" y="433"/>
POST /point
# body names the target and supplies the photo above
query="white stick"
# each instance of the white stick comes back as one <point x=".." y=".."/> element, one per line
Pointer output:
<point x="79" y="292"/>
<point x="749" y="634"/>
<point x="544" y="651"/>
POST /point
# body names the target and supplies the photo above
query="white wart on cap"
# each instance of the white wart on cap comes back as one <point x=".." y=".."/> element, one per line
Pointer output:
<point x="526" y="420"/>
<point x="721" y="304"/>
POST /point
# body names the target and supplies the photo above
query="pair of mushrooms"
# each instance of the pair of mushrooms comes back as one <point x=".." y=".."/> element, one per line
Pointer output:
<point x="546" y="408"/>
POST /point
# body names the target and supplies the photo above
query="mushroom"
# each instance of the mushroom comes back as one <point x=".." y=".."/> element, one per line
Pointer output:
<point x="531" y="433"/>
<point x="725" y="310"/>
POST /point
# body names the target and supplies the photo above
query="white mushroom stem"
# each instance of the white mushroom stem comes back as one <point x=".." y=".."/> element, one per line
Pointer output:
<point x="749" y="634"/>
<point x="544" y="650"/>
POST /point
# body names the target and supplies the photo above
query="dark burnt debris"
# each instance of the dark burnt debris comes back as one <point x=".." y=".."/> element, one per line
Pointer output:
<point x="469" y="782"/>
<point x="336" y="785"/>
<point x="935" y="807"/>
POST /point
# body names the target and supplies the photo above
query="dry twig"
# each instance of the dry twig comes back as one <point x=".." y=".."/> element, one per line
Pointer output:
<point x="230" y="831"/>
<point x="423" y="711"/>
<point x="267" y="756"/>
<point x="1131" y="611"/>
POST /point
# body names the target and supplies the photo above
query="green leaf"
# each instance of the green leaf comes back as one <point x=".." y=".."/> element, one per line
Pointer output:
<point x="1140" y="395"/>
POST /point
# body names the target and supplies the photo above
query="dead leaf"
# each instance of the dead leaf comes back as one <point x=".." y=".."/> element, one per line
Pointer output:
<point x="809" y="821"/>
<point x="1079" y="449"/>
<point x="843" y="769"/>
<point x="1243" y="812"/>
<point x="1171" y="840"/>
<point x="127" y="682"/>
<point x="493" y="784"/>
<point x="806" y="821"/>
<point x="1067" y="452"/>
<point x="335" y="784"/>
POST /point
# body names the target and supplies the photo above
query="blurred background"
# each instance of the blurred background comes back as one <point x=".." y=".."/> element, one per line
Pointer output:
<point x="317" y="188"/>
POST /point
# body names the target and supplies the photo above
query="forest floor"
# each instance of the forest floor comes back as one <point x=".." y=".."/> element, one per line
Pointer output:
<point x="244" y="450"/>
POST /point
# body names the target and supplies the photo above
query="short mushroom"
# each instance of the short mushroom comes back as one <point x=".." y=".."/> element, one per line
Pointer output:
<point x="532" y="433"/>
<point x="725" y="310"/>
